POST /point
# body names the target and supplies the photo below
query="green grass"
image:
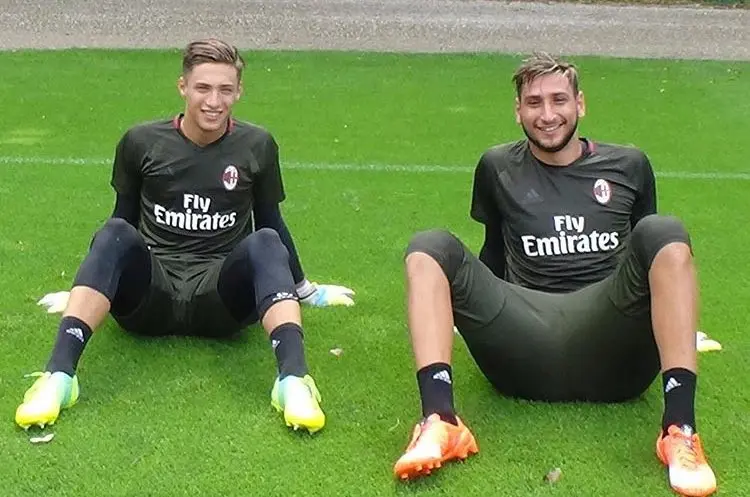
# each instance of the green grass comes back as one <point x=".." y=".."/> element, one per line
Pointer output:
<point x="192" y="417"/>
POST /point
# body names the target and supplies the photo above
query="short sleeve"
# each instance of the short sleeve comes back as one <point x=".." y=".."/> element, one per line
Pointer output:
<point x="645" y="202"/>
<point x="269" y="186"/>
<point x="126" y="170"/>
<point x="483" y="206"/>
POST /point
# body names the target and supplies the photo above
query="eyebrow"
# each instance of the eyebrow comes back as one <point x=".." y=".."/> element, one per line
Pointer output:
<point x="555" y="94"/>
<point x="221" y="85"/>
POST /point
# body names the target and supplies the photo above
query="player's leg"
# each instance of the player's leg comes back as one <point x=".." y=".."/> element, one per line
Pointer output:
<point x="660" y="270"/>
<point x="116" y="272"/>
<point x="255" y="282"/>
<point x="443" y="278"/>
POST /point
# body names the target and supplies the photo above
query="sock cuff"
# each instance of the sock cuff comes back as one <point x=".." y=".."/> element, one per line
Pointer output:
<point x="285" y="328"/>
<point x="679" y="372"/>
<point x="74" y="323"/>
<point x="434" y="368"/>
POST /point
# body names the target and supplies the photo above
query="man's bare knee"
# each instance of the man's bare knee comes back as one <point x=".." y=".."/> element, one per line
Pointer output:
<point x="420" y="264"/>
<point x="675" y="254"/>
<point x="438" y="246"/>
<point x="654" y="233"/>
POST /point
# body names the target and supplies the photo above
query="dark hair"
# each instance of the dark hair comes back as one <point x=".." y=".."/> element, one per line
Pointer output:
<point x="541" y="64"/>
<point x="211" y="50"/>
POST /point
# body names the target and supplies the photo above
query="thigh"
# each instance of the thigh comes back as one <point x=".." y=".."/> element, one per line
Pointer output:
<point x="154" y="314"/>
<point x="628" y="287"/>
<point x="612" y="353"/>
<point x="509" y="330"/>
<point x="521" y="350"/>
<point x="224" y="302"/>
<point x="565" y="347"/>
<point x="477" y="295"/>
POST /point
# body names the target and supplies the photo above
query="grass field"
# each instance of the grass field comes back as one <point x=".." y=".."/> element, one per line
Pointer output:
<point x="192" y="417"/>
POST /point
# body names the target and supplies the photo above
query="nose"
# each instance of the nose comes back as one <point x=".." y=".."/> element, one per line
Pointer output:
<point x="213" y="99"/>
<point x="548" y="114"/>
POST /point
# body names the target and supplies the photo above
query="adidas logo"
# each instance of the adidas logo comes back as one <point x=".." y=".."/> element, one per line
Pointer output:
<point x="76" y="332"/>
<point x="671" y="385"/>
<point x="283" y="296"/>
<point x="275" y="343"/>
<point x="443" y="376"/>
<point x="531" y="197"/>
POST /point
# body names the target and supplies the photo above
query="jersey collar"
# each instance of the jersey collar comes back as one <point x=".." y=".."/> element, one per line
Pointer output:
<point x="589" y="148"/>
<point x="178" y="119"/>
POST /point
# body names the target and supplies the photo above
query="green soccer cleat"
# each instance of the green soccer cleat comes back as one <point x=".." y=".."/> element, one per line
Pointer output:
<point x="43" y="401"/>
<point x="299" y="399"/>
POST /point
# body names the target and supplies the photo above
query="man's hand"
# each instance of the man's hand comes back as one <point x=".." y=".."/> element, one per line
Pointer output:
<point x="325" y="295"/>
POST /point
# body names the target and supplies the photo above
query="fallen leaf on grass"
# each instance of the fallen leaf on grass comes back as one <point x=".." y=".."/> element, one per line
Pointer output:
<point x="553" y="476"/>
<point x="43" y="439"/>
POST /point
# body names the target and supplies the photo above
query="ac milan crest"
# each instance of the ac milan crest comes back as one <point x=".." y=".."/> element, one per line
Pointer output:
<point x="602" y="191"/>
<point x="230" y="177"/>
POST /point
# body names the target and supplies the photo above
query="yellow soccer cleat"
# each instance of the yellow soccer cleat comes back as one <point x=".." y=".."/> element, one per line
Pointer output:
<point x="299" y="400"/>
<point x="43" y="401"/>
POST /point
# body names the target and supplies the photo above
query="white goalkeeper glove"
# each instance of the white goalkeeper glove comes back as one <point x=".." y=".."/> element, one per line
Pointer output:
<point x="706" y="344"/>
<point x="55" y="303"/>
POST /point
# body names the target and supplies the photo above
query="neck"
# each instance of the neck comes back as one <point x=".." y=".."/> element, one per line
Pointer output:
<point x="196" y="135"/>
<point x="569" y="154"/>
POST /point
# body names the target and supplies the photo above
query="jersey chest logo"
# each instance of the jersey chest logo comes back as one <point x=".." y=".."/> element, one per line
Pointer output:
<point x="230" y="177"/>
<point x="602" y="191"/>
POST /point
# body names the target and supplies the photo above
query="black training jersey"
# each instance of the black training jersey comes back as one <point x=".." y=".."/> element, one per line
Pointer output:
<point x="562" y="228"/>
<point x="196" y="202"/>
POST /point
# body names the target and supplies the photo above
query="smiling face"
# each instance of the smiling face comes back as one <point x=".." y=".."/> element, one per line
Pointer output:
<point x="210" y="90"/>
<point x="548" y="111"/>
<point x="548" y="106"/>
<point x="210" y="85"/>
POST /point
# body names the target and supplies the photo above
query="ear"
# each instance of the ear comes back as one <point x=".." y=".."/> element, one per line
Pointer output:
<point x="581" y="103"/>
<point x="239" y="92"/>
<point x="182" y="86"/>
<point x="518" y="111"/>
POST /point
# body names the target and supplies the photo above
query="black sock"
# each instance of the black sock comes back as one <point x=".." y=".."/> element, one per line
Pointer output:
<point x="436" y="390"/>
<point x="72" y="336"/>
<point x="286" y="341"/>
<point x="679" y="398"/>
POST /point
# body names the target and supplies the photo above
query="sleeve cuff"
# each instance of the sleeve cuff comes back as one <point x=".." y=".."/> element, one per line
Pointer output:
<point x="305" y="289"/>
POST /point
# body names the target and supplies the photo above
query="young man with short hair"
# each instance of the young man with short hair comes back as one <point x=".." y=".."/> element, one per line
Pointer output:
<point x="196" y="244"/>
<point x="581" y="292"/>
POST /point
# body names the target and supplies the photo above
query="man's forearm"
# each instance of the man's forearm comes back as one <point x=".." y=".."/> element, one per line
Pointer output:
<point x="127" y="207"/>
<point x="270" y="217"/>
<point x="294" y="263"/>
<point x="492" y="253"/>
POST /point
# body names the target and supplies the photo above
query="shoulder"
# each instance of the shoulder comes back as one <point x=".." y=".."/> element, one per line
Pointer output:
<point x="151" y="128"/>
<point x="628" y="161"/>
<point x="254" y="134"/>
<point x="627" y="156"/>
<point x="501" y="157"/>
<point x="256" y="144"/>
<point x="142" y="134"/>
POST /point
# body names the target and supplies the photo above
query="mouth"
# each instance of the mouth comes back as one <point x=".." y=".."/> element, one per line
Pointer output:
<point x="212" y="115"/>
<point x="550" y="129"/>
